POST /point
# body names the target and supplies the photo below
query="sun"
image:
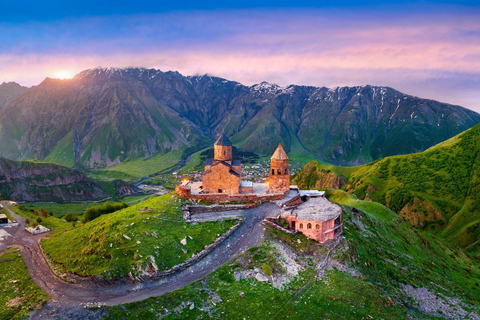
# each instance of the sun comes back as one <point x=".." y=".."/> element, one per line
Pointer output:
<point x="63" y="74"/>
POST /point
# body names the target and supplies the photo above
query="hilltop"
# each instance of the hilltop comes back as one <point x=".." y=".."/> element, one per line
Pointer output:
<point x="32" y="181"/>
<point x="438" y="189"/>
<point x="118" y="118"/>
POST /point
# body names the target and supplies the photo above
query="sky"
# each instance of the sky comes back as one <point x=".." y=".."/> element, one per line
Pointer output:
<point x="430" y="49"/>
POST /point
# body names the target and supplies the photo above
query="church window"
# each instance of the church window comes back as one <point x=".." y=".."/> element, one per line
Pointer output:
<point x="279" y="171"/>
<point x="224" y="152"/>
<point x="317" y="226"/>
<point x="286" y="171"/>
<point x="309" y="226"/>
<point x="301" y="226"/>
<point x="273" y="172"/>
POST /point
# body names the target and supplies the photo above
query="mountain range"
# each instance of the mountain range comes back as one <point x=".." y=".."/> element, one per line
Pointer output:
<point x="104" y="117"/>
<point x="438" y="189"/>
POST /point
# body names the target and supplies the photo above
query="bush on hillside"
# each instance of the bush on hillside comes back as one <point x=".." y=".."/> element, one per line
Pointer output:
<point x="108" y="207"/>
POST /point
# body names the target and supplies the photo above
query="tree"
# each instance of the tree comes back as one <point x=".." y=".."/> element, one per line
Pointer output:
<point x="69" y="217"/>
<point x="35" y="212"/>
<point x="44" y="213"/>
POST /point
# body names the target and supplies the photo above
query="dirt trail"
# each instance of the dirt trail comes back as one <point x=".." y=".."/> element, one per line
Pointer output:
<point x="63" y="294"/>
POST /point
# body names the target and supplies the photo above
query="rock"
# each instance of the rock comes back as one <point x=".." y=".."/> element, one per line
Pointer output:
<point x="192" y="306"/>
<point x="184" y="241"/>
<point x="138" y="242"/>
<point x="242" y="294"/>
<point x="260" y="277"/>
<point x="126" y="237"/>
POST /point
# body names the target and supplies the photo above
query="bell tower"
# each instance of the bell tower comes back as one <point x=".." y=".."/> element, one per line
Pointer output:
<point x="279" y="179"/>
<point x="222" y="149"/>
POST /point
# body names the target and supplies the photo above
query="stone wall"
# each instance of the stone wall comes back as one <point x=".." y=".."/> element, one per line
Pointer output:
<point x="223" y="197"/>
<point x="194" y="259"/>
<point x="189" y="210"/>
<point x="270" y="223"/>
<point x="70" y="277"/>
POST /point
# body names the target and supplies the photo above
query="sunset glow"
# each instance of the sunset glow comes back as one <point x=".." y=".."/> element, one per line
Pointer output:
<point x="63" y="75"/>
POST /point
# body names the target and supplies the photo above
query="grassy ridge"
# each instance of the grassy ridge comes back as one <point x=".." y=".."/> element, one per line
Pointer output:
<point x="383" y="248"/>
<point x="438" y="189"/>
<point x="20" y="294"/>
<point x="125" y="241"/>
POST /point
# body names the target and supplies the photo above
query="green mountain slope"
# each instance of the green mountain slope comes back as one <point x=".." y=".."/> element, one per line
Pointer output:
<point x="382" y="269"/>
<point x="438" y="189"/>
<point x="106" y="117"/>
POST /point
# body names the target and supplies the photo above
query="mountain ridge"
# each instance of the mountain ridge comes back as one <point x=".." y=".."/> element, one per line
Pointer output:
<point x="107" y="116"/>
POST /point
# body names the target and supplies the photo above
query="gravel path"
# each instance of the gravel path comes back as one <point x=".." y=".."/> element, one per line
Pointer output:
<point x="65" y="294"/>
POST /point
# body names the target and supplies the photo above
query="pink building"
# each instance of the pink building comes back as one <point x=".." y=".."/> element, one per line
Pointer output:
<point x="317" y="218"/>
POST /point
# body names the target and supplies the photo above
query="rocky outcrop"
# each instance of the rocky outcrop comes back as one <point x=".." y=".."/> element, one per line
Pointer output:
<point x="419" y="212"/>
<point x="29" y="181"/>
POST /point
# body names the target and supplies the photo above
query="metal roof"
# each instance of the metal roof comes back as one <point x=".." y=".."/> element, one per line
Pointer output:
<point x="317" y="209"/>
<point x="222" y="141"/>
<point x="246" y="183"/>
<point x="311" y="193"/>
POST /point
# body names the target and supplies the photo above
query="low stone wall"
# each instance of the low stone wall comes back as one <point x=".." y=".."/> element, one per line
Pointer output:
<point x="268" y="222"/>
<point x="68" y="277"/>
<point x="73" y="278"/>
<point x="189" y="210"/>
<point x="195" y="258"/>
<point x="223" y="197"/>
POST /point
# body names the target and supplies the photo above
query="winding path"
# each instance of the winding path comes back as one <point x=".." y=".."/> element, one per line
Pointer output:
<point x="250" y="234"/>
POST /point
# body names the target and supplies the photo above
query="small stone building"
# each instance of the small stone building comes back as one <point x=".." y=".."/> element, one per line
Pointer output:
<point x="3" y="218"/>
<point x="318" y="219"/>
<point x="222" y="173"/>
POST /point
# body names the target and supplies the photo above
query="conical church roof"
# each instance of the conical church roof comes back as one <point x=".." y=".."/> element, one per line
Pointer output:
<point x="222" y="141"/>
<point x="280" y="154"/>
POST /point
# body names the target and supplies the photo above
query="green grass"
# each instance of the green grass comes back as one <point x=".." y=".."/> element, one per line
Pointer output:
<point x="438" y="189"/>
<point x="20" y="294"/>
<point x="386" y="251"/>
<point x="60" y="209"/>
<point x="99" y="248"/>
<point x="135" y="169"/>
<point x="56" y="224"/>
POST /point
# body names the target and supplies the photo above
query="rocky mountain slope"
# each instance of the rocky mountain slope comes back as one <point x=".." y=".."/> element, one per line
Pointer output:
<point x="438" y="189"/>
<point x="104" y="117"/>
<point x="9" y="91"/>
<point x="29" y="181"/>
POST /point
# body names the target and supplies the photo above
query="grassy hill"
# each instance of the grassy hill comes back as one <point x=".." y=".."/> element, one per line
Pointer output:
<point x="383" y="269"/>
<point x="438" y="189"/>
<point x="20" y="294"/>
<point x="100" y="247"/>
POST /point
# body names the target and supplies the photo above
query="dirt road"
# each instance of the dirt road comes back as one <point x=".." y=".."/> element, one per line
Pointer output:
<point x="63" y="294"/>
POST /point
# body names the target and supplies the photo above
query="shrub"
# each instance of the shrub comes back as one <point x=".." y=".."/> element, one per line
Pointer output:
<point x="39" y="220"/>
<point x="69" y="217"/>
<point x="266" y="269"/>
<point x="27" y="221"/>
<point x="108" y="207"/>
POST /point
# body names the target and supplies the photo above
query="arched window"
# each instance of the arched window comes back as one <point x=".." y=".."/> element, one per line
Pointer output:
<point x="317" y="226"/>
<point x="301" y="226"/>
<point x="273" y="172"/>
<point x="286" y="171"/>
<point x="309" y="226"/>
<point x="279" y="171"/>
<point x="224" y="152"/>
